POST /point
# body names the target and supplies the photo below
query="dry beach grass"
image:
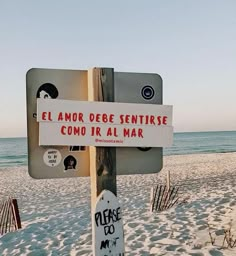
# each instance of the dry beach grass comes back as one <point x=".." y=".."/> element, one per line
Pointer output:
<point x="56" y="216"/>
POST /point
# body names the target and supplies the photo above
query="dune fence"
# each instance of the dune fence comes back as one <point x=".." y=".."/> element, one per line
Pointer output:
<point x="9" y="216"/>
<point x="163" y="197"/>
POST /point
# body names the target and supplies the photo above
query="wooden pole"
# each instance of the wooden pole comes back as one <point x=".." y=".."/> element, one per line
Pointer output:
<point x="168" y="180"/>
<point x="168" y="185"/>
<point x="16" y="213"/>
<point x="107" y="235"/>
<point x="151" y="199"/>
<point x="102" y="159"/>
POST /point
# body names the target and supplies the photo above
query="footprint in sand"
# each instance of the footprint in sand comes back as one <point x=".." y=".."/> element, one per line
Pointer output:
<point x="159" y="237"/>
<point x="172" y="247"/>
<point x="201" y="222"/>
<point x="133" y="225"/>
<point x="201" y="216"/>
<point x="224" y="200"/>
<point x="214" y="252"/>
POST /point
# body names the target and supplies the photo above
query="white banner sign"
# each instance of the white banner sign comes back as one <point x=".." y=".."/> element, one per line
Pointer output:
<point x="64" y="122"/>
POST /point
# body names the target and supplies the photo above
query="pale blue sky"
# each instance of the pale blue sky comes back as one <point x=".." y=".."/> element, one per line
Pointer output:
<point x="191" y="44"/>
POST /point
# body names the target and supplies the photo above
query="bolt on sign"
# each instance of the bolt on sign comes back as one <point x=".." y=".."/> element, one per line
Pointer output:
<point x="63" y="124"/>
<point x="108" y="226"/>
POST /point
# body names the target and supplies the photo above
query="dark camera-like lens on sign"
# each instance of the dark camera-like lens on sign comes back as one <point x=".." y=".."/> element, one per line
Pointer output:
<point x="147" y="92"/>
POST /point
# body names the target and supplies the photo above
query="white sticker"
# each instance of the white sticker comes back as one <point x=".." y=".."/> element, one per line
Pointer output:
<point x="52" y="157"/>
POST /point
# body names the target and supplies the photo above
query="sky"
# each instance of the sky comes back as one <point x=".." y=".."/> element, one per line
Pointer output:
<point x="190" y="44"/>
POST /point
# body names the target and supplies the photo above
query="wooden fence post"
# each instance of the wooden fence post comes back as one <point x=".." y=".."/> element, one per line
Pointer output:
<point x="168" y="180"/>
<point x="16" y="214"/>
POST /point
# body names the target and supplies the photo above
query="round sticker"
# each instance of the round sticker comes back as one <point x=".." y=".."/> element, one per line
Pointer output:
<point x="52" y="157"/>
<point x="70" y="163"/>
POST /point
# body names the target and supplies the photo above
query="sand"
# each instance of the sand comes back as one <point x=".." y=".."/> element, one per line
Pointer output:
<point x="56" y="217"/>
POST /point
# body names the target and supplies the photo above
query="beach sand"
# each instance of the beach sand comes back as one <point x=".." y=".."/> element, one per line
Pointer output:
<point x="56" y="217"/>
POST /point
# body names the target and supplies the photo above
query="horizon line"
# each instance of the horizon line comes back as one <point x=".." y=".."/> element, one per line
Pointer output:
<point x="22" y="137"/>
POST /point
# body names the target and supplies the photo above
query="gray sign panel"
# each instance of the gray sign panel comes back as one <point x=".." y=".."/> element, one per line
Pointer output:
<point x="73" y="161"/>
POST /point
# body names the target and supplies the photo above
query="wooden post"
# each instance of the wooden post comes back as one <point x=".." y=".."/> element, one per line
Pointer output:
<point x="108" y="239"/>
<point x="102" y="159"/>
<point x="151" y="199"/>
<point x="168" y="184"/>
<point x="16" y="214"/>
<point x="168" y="180"/>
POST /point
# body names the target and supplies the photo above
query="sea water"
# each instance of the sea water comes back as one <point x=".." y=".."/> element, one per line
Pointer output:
<point x="13" y="151"/>
<point x="202" y="142"/>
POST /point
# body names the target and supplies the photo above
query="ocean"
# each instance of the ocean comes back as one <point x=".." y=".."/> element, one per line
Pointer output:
<point x="13" y="151"/>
